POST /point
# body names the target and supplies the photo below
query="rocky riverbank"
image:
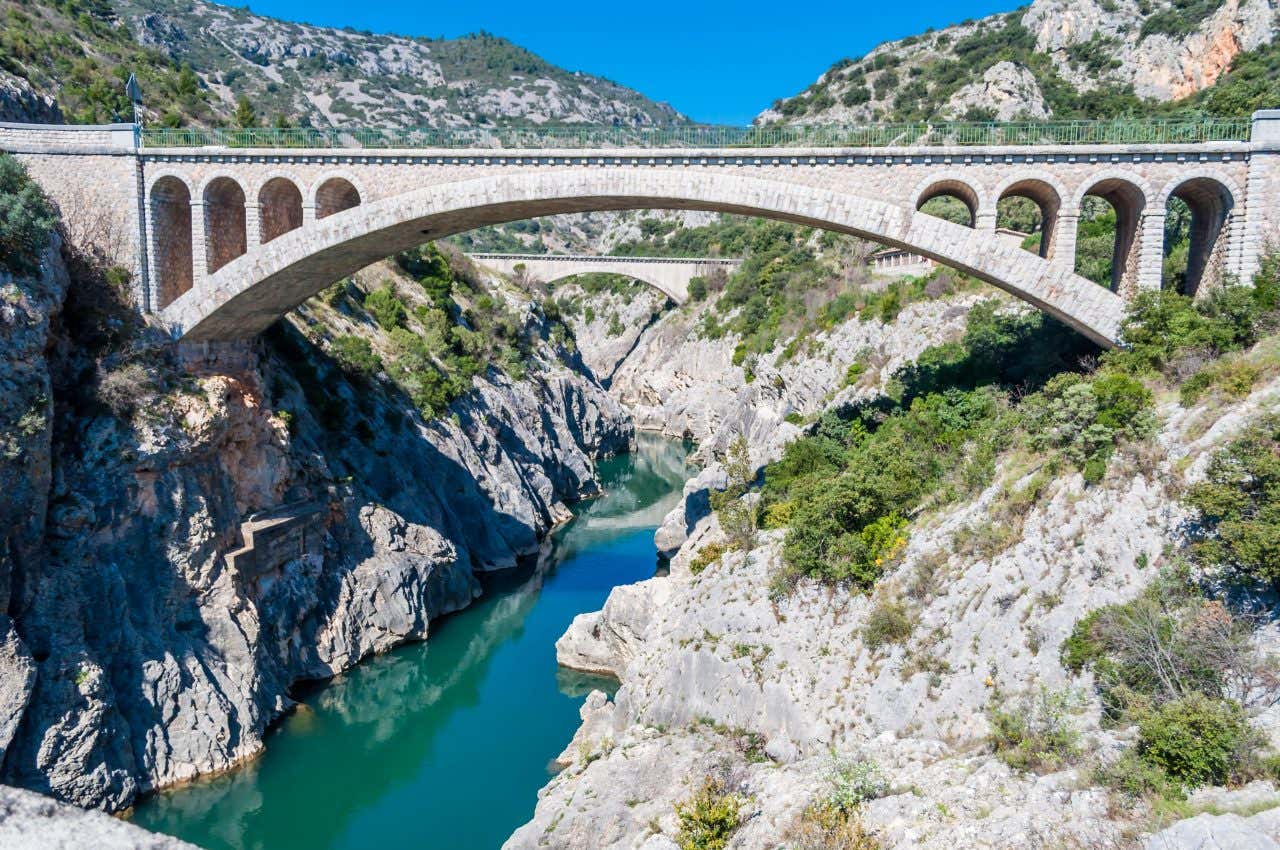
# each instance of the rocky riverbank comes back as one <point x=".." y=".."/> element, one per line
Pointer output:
<point x="722" y="678"/>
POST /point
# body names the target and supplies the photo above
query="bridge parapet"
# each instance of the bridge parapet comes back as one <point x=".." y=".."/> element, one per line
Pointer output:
<point x="119" y="139"/>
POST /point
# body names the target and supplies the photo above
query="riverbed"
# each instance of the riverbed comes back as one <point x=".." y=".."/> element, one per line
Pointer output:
<point x="443" y="744"/>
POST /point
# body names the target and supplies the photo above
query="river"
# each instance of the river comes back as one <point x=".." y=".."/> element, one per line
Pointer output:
<point x="443" y="744"/>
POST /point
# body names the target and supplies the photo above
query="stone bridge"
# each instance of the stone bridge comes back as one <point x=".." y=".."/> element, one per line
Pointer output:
<point x="668" y="275"/>
<point x="224" y="240"/>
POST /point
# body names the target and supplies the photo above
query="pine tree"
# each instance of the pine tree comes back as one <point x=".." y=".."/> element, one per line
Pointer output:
<point x="246" y="117"/>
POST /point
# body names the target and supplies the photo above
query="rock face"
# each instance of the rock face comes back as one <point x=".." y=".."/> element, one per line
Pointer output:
<point x="1008" y="90"/>
<point x="341" y="77"/>
<point x="720" y="679"/>
<point x="29" y="821"/>
<point x="146" y="639"/>
<point x="1164" y="50"/>
<point x="1208" y="832"/>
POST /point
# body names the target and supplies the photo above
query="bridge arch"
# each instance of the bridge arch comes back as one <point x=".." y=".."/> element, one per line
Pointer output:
<point x="950" y="184"/>
<point x="246" y="297"/>
<point x="169" y="206"/>
<point x="1211" y="197"/>
<point x="647" y="280"/>
<point x="279" y="206"/>
<point x="1128" y="194"/>
<point x="335" y="192"/>
<point x="1042" y="189"/>
<point x="226" y="234"/>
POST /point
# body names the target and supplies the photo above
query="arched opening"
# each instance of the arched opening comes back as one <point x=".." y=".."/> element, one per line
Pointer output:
<point x="1107" y="233"/>
<point x="952" y="200"/>
<point x="171" y="220"/>
<point x="224" y="224"/>
<point x="335" y="195"/>
<point x="280" y="208"/>
<point x="1196" y="216"/>
<point x="1028" y="210"/>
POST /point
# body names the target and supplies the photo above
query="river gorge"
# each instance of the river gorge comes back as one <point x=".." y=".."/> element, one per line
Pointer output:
<point x="444" y="743"/>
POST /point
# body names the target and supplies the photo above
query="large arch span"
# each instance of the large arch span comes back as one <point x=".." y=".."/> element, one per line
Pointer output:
<point x="245" y="296"/>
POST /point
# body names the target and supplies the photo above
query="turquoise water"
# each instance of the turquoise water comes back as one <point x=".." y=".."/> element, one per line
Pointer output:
<point x="443" y="744"/>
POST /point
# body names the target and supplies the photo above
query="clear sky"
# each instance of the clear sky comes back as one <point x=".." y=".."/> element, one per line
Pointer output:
<point x="719" y="62"/>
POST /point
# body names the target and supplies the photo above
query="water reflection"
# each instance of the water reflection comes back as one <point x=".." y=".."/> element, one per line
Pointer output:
<point x="443" y="744"/>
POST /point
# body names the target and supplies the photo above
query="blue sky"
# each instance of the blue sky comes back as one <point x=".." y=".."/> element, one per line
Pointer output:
<point x="717" y="61"/>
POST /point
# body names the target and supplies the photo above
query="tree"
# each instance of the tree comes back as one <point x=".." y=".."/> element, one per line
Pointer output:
<point x="27" y="218"/>
<point x="245" y="116"/>
<point x="737" y="515"/>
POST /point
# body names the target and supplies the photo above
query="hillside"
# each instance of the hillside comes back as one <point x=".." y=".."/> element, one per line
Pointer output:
<point x="68" y="59"/>
<point x="1060" y="59"/>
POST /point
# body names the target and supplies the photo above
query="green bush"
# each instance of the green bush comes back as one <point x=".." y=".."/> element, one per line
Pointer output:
<point x="1197" y="740"/>
<point x="355" y="354"/>
<point x="1167" y="644"/>
<point x="851" y="783"/>
<point x="1086" y="418"/>
<point x="27" y="219"/>
<point x="1136" y="779"/>
<point x="709" y="818"/>
<point x="1163" y="328"/>
<point x="386" y="308"/>
<point x="697" y="288"/>
<point x="1239" y="504"/>
<point x="1036" y="733"/>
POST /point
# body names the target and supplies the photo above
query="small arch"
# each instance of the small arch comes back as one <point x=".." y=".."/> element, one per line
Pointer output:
<point x="279" y="207"/>
<point x="1197" y="210"/>
<point x="225" y="237"/>
<point x="170" y="203"/>
<point x="1110" y="221"/>
<point x="952" y="188"/>
<point x="1030" y="205"/>
<point x="335" y="195"/>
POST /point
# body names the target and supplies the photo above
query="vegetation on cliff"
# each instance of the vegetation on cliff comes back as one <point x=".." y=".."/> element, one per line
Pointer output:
<point x="210" y="64"/>
<point x="1016" y="382"/>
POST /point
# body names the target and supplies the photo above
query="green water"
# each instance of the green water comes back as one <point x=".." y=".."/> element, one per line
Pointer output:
<point x="443" y="744"/>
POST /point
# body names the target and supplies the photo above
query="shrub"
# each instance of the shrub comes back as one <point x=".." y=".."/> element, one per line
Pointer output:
<point x="386" y="308"/>
<point x="1197" y="740"/>
<point x="737" y="515"/>
<point x="355" y="355"/>
<point x="1239" y="504"/>
<point x="709" y="818"/>
<point x="697" y="288"/>
<point x="27" y="219"/>
<point x="888" y="622"/>
<point x="1135" y="778"/>
<point x="1037" y="732"/>
<point x="123" y="389"/>
<point x="1085" y="419"/>
<point x="1166" y="645"/>
<point x="707" y="555"/>
<point x="852" y="783"/>
<point x="823" y="827"/>
<point x="1163" y="328"/>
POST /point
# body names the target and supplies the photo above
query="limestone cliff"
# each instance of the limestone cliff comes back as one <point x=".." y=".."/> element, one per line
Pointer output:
<point x="1053" y="58"/>
<point x="181" y="547"/>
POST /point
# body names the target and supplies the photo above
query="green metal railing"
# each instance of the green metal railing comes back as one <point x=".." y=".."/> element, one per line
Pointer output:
<point x="1156" y="131"/>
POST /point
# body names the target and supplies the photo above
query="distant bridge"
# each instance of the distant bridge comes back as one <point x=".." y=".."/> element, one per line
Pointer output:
<point x="669" y="275"/>
<point x="226" y="231"/>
